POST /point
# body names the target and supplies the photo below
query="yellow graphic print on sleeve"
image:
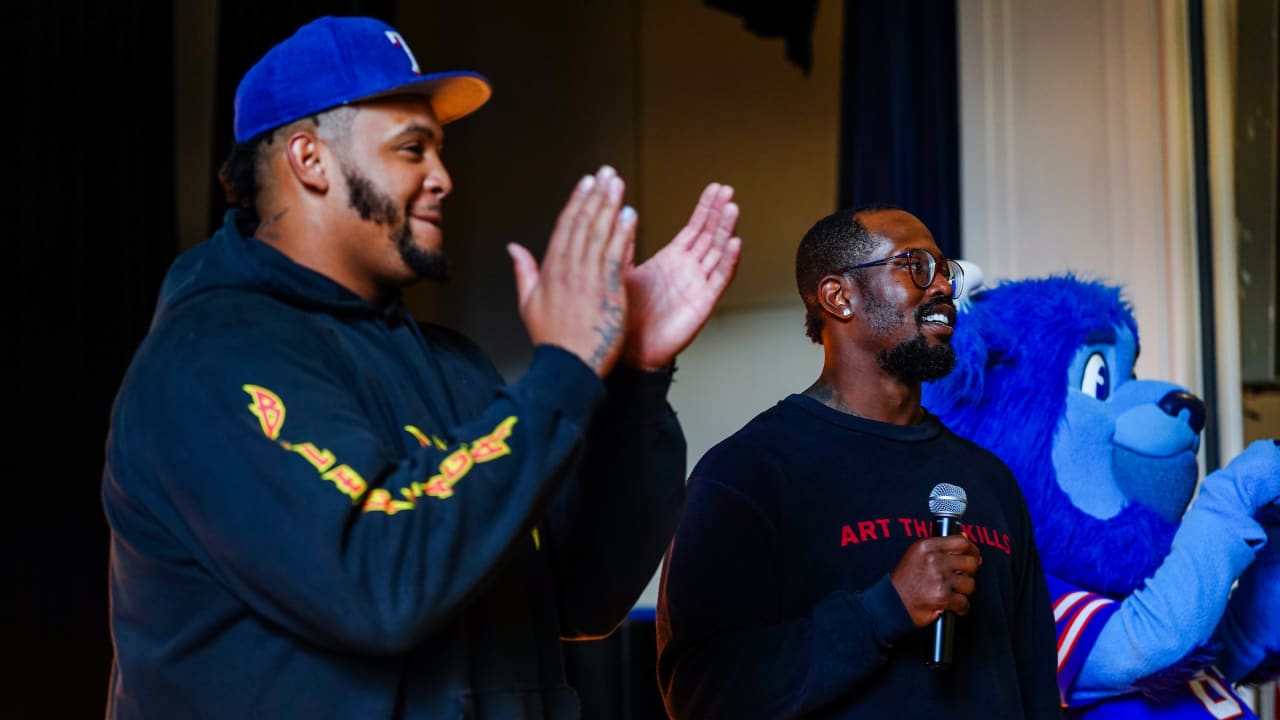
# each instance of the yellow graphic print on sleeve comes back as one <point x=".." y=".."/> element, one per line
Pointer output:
<point x="269" y="409"/>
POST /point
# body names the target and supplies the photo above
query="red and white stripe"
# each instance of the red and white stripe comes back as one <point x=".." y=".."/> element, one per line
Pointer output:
<point x="1068" y="638"/>
<point x="1066" y="602"/>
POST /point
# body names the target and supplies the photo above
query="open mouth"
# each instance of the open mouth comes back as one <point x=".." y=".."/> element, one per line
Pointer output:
<point x="941" y="314"/>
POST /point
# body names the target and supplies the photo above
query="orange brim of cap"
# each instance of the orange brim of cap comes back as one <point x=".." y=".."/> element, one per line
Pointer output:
<point x="452" y="94"/>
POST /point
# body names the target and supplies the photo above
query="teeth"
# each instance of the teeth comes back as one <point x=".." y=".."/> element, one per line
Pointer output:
<point x="937" y="318"/>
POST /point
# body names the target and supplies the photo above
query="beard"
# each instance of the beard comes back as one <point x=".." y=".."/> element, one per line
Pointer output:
<point x="376" y="206"/>
<point x="917" y="361"/>
<point x="913" y="360"/>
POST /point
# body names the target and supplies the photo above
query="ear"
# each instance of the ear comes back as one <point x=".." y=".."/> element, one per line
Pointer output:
<point x="836" y="297"/>
<point x="306" y="159"/>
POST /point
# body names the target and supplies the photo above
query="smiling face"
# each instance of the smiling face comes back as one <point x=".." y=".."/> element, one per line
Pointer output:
<point x="908" y="328"/>
<point x="395" y="183"/>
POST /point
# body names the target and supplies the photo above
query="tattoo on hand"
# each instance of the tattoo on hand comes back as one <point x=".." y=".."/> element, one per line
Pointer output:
<point x="608" y="330"/>
<point x="615" y="277"/>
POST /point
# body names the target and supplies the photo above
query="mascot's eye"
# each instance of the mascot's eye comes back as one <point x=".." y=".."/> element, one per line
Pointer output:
<point x="1096" y="382"/>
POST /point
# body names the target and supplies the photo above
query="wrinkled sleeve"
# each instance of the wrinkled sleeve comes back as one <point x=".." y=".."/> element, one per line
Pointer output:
<point x="725" y="651"/>
<point x="615" y="516"/>
<point x="289" y="493"/>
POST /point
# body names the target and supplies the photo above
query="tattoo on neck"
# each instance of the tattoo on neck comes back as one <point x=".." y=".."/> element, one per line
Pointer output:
<point x="267" y="226"/>
<point x="828" y="396"/>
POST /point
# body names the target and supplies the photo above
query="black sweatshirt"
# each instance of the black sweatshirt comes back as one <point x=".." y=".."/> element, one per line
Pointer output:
<point x="776" y="602"/>
<point x="321" y="509"/>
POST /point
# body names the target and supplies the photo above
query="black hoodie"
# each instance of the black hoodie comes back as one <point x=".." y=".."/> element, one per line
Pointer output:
<point x="320" y="508"/>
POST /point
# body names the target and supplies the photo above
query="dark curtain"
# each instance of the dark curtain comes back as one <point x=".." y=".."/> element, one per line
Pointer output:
<point x="791" y="20"/>
<point x="93" y="104"/>
<point x="900" y="126"/>
<point x="899" y="107"/>
<point x="617" y="677"/>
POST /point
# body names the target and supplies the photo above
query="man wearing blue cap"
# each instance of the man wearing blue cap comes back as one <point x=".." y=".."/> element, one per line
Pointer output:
<point x="322" y="508"/>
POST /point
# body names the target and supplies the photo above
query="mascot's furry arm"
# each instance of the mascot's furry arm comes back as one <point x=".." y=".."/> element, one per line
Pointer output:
<point x="1044" y="378"/>
<point x="1177" y="610"/>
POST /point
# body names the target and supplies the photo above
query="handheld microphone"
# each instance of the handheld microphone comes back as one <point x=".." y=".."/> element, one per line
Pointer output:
<point x="947" y="503"/>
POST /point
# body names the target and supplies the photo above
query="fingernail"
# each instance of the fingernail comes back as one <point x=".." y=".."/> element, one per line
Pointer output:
<point x="627" y="216"/>
<point x="586" y="183"/>
<point x="606" y="172"/>
<point x="615" y="189"/>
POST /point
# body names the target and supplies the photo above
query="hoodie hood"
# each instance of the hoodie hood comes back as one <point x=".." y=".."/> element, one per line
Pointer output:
<point x="234" y="259"/>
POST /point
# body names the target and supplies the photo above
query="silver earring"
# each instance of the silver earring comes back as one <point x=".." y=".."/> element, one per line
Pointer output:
<point x="845" y="312"/>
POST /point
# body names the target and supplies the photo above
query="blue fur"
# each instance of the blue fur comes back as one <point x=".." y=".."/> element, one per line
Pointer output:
<point x="1107" y="472"/>
<point x="1014" y="344"/>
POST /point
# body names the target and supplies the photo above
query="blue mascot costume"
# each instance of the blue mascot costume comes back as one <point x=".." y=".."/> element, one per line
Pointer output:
<point x="1149" y="625"/>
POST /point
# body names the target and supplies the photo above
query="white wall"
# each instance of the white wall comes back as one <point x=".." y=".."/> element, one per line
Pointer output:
<point x="716" y="102"/>
<point x="1076" y="156"/>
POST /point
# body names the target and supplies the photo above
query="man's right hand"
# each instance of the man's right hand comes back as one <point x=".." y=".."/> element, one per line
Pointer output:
<point x="936" y="574"/>
<point x="577" y="300"/>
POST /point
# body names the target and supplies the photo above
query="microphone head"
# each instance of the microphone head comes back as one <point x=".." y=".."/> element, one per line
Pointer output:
<point x="948" y="500"/>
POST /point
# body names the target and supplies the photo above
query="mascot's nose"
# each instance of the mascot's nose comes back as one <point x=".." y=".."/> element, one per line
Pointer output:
<point x="1156" y="419"/>
<point x="1174" y="402"/>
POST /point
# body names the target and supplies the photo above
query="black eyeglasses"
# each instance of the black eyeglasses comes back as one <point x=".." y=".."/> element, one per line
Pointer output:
<point x="923" y="267"/>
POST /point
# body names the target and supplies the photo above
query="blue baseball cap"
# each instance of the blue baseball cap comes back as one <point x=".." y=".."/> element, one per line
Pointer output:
<point x="334" y="61"/>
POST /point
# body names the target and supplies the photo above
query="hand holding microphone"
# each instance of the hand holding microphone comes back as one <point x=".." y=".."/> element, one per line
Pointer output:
<point x="934" y="578"/>
<point x="946" y="503"/>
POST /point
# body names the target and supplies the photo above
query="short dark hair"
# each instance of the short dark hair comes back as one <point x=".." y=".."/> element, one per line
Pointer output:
<point x="240" y="172"/>
<point x="834" y="242"/>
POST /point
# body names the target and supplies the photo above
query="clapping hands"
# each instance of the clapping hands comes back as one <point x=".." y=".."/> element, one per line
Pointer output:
<point x="590" y="298"/>
<point x="671" y="295"/>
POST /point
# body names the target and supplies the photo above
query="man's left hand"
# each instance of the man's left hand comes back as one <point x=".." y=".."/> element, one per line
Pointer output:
<point x="671" y="295"/>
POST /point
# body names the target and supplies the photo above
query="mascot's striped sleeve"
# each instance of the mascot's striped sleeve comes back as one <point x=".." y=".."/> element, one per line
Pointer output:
<point x="1080" y="616"/>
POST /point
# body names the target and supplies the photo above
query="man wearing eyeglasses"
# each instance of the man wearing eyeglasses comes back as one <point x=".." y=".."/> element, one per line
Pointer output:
<point x="803" y="580"/>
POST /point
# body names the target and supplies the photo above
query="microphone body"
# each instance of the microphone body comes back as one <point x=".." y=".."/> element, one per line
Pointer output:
<point x="947" y="503"/>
